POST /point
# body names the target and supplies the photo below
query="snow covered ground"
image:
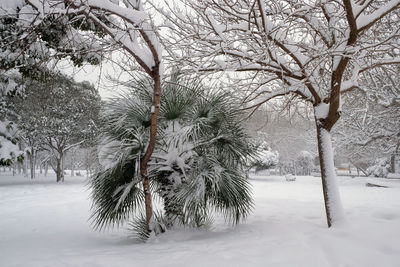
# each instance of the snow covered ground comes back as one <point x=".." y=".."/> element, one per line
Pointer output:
<point x="46" y="224"/>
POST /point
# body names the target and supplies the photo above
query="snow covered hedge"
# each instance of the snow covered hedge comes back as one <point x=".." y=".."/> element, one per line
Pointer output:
<point x="380" y="168"/>
<point x="266" y="159"/>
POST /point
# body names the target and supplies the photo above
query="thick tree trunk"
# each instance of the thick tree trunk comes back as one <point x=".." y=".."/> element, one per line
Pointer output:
<point x="60" y="168"/>
<point x="150" y="148"/>
<point x="333" y="206"/>
<point x="46" y="168"/>
<point x="172" y="209"/>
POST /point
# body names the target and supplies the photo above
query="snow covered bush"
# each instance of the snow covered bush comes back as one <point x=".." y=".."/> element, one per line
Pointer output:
<point x="380" y="169"/>
<point x="290" y="178"/>
<point x="265" y="158"/>
<point x="198" y="165"/>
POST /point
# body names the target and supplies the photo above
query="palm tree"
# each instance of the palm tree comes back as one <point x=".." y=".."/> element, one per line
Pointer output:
<point x="199" y="163"/>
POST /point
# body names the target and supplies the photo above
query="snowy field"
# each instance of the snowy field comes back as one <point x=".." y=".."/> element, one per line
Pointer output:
<point x="46" y="224"/>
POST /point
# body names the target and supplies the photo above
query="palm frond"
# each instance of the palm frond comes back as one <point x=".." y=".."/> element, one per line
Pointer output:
<point x="116" y="192"/>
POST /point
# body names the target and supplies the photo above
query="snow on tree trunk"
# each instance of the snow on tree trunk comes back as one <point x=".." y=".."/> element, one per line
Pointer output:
<point x="171" y="208"/>
<point x="333" y="205"/>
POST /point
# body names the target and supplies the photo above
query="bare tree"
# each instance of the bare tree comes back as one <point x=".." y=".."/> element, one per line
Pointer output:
<point x="314" y="50"/>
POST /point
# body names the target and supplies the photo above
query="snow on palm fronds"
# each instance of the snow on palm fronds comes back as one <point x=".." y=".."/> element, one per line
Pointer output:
<point x="116" y="187"/>
<point x="205" y="149"/>
<point x="199" y="161"/>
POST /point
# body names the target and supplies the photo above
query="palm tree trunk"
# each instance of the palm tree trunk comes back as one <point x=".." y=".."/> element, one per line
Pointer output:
<point x="172" y="209"/>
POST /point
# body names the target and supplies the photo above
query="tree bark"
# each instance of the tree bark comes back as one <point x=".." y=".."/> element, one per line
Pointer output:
<point x="392" y="163"/>
<point x="150" y="148"/>
<point x="172" y="210"/>
<point x="46" y="168"/>
<point x="25" y="168"/>
<point x="72" y="162"/>
<point x="333" y="206"/>
<point x="32" y="163"/>
<point x="60" y="169"/>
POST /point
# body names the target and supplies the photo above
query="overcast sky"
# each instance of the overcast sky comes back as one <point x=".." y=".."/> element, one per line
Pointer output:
<point x="97" y="75"/>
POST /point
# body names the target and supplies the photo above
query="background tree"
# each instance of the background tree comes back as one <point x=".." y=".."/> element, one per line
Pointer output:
<point x="289" y="128"/>
<point x="304" y="163"/>
<point x="56" y="116"/>
<point x="370" y="128"/>
<point x="314" y="50"/>
<point x="9" y="150"/>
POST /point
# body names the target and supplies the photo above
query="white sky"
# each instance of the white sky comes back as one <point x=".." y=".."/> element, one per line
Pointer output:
<point x="97" y="75"/>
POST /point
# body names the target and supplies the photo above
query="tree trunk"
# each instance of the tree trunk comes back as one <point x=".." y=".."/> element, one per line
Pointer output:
<point x="393" y="163"/>
<point x="32" y="163"/>
<point x="72" y="162"/>
<point x="25" y="168"/>
<point x="19" y="167"/>
<point x="333" y="206"/>
<point x="172" y="209"/>
<point x="60" y="168"/>
<point x="150" y="148"/>
<point x="46" y="168"/>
